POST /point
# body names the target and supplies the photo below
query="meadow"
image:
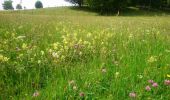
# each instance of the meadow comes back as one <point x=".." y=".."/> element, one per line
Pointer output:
<point x="70" y="54"/>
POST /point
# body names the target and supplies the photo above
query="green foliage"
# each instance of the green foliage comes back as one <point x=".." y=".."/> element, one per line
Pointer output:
<point x="38" y="4"/>
<point x="116" y="5"/>
<point x="7" y="5"/>
<point x="150" y="3"/>
<point x="107" y="5"/>
<point x="18" y="6"/>
<point x="79" y="2"/>
<point x="168" y="2"/>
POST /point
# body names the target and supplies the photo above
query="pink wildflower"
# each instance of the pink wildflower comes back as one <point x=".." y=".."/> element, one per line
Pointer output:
<point x="155" y="84"/>
<point x="132" y="95"/>
<point x="167" y="82"/>
<point x="147" y="88"/>
<point x="151" y="81"/>
<point x="82" y="94"/>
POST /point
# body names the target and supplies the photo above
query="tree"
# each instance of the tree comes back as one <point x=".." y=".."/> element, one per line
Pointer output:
<point x="157" y="4"/>
<point x="18" y="6"/>
<point x="7" y="5"/>
<point x="79" y="2"/>
<point x="168" y="3"/>
<point x="38" y="4"/>
<point x="107" y="5"/>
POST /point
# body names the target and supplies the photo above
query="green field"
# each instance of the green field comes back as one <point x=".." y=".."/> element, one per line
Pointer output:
<point x="67" y="54"/>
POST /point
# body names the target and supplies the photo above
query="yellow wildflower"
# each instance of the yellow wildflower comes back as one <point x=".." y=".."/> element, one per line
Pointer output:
<point x="152" y="59"/>
<point x="24" y="46"/>
<point x="168" y="75"/>
<point x="3" y="58"/>
<point x="39" y="61"/>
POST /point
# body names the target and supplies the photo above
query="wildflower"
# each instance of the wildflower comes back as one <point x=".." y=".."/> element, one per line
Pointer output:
<point x="140" y="76"/>
<point x="24" y="46"/>
<point x="104" y="70"/>
<point x="50" y="50"/>
<point x="152" y="59"/>
<point x="168" y="75"/>
<point x="81" y="94"/>
<point x="72" y="82"/>
<point x="132" y="95"/>
<point x="80" y="53"/>
<point x="89" y="35"/>
<point x="6" y="59"/>
<point x="167" y="82"/>
<point x="155" y="84"/>
<point x="55" y="55"/>
<point x="75" y="88"/>
<point x="36" y="94"/>
<point x="3" y="58"/>
<point x="147" y="88"/>
<point x="151" y="81"/>
<point x="117" y="74"/>
<point x="116" y="63"/>
<point x="55" y="45"/>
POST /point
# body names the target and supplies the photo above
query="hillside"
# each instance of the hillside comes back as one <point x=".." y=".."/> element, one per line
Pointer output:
<point x="71" y="53"/>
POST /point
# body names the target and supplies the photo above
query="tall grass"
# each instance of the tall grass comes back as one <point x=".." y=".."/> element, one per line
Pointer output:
<point x="83" y="56"/>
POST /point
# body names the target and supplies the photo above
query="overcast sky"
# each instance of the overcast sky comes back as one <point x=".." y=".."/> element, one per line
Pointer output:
<point x="29" y="4"/>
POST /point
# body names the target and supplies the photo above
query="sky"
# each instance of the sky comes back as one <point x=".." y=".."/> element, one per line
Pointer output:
<point x="29" y="4"/>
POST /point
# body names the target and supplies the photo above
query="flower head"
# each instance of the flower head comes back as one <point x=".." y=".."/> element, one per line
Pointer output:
<point x="155" y="84"/>
<point x="117" y="74"/>
<point x="148" y="88"/>
<point x="72" y="82"/>
<point x="81" y="94"/>
<point x="55" y="55"/>
<point x="140" y="76"/>
<point x="152" y="59"/>
<point x="132" y="95"/>
<point x="167" y="82"/>
<point x="24" y="46"/>
<point x="104" y="70"/>
<point x="151" y="81"/>
<point x="75" y="88"/>
<point x="3" y="58"/>
<point x="36" y="94"/>
<point x="168" y="75"/>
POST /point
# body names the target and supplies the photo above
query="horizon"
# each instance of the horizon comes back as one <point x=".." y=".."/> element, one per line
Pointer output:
<point x="30" y="4"/>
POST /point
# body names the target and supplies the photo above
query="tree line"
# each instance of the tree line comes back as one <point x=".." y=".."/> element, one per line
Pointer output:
<point x="109" y="5"/>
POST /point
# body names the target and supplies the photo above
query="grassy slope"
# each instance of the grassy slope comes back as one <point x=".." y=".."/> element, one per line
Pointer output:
<point x="117" y="44"/>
